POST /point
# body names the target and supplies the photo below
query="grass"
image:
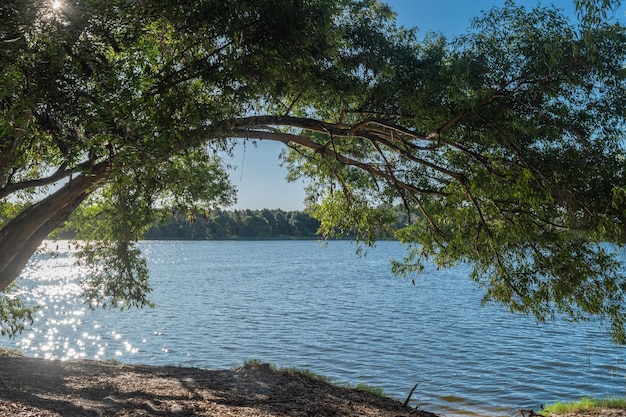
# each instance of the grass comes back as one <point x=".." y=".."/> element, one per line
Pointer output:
<point x="254" y="363"/>
<point x="379" y="392"/>
<point x="584" y="404"/>
<point x="310" y="374"/>
<point x="7" y="351"/>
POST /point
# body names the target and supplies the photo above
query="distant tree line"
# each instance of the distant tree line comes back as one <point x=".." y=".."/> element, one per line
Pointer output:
<point x="236" y="224"/>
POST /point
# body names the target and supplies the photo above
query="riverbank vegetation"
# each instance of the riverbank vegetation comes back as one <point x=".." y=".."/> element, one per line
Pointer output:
<point x="253" y="363"/>
<point x="244" y="224"/>
<point x="235" y="224"/>
<point x="584" y="405"/>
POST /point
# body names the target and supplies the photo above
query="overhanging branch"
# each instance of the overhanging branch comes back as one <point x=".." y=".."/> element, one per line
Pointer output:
<point x="288" y="138"/>
<point x="59" y="174"/>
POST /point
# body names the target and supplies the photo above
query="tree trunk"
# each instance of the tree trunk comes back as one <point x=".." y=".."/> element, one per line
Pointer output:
<point x="20" y="238"/>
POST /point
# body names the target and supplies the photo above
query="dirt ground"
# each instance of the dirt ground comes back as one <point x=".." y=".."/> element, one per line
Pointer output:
<point x="31" y="387"/>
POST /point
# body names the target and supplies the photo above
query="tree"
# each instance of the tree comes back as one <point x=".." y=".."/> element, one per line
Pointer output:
<point x="130" y="104"/>
<point x="509" y="149"/>
<point x="504" y="146"/>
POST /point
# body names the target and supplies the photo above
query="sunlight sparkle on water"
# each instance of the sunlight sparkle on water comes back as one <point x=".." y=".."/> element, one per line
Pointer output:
<point x="130" y="348"/>
<point x="52" y="281"/>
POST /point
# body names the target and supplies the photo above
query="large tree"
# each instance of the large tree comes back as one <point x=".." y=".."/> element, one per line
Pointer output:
<point x="504" y="145"/>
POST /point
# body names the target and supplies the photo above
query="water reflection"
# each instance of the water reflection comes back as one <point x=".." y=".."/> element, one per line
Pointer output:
<point x="51" y="281"/>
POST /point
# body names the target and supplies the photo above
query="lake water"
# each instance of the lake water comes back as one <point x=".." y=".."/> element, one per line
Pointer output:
<point x="323" y="308"/>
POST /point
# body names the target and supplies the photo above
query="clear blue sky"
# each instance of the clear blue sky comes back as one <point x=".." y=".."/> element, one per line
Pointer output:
<point x="259" y="178"/>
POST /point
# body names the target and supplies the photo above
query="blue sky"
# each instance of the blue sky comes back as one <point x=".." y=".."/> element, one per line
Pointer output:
<point x="259" y="178"/>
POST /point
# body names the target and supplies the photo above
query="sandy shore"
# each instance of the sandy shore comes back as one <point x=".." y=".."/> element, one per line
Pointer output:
<point x="33" y="387"/>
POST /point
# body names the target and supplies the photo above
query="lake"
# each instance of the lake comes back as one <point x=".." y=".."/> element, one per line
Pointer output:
<point x="323" y="308"/>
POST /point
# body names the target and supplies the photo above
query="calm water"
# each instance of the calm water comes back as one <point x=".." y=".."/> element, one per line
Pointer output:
<point x="299" y="304"/>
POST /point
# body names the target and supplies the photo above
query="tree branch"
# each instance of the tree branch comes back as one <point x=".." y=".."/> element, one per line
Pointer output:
<point x="21" y="236"/>
<point x="324" y="151"/>
<point x="263" y="122"/>
<point x="59" y="174"/>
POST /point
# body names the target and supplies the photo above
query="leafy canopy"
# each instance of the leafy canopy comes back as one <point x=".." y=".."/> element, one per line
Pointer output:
<point x="507" y="145"/>
<point x="504" y="146"/>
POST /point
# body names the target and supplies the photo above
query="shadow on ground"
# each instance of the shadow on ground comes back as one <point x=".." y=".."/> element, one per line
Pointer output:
<point x="31" y="387"/>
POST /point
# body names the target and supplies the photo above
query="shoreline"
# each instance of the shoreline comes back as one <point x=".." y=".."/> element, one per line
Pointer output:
<point x="38" y="387"/>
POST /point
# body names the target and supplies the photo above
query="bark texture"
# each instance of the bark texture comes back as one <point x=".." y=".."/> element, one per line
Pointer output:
<point x="20" y="238"/>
